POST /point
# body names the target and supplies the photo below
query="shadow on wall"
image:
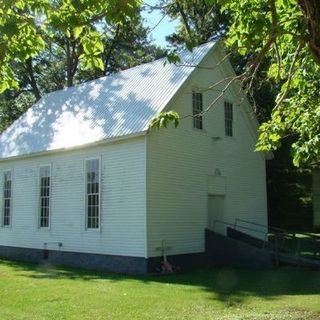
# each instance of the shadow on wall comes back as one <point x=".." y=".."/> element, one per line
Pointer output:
<point x="226" y="285"/>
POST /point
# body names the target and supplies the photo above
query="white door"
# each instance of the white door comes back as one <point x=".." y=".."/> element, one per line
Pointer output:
<point x="216" y="213"/>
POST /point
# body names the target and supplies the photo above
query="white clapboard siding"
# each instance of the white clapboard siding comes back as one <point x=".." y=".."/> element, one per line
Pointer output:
<point x="182" y="166"/>
<point x="154" y="188"/>
<point x="123" y="201"/>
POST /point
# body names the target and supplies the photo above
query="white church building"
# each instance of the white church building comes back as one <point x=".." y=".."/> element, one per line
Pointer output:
<point x="85" y="182"/>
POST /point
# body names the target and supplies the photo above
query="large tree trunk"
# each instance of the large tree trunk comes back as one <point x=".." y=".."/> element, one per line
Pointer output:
<point x="69" y="66"/>
<point x="32" y="79"/>
<point x="72" y="52"/>
<point x="316" y="198"/>
<point x="311" y="13"/>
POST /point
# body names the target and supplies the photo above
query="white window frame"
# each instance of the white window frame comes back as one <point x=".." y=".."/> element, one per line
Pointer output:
<point x="50" y="197"/>
<point x="197" y="119"/>
<point x="3" y="199"/>
<point x="225" y="119"/>
<point x="86" y="195"/>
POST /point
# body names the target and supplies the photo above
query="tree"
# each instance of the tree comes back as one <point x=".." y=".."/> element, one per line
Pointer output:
<point x="63" y="56"/>
<point x="26" y="26"/>
<point x="199" y="21"/>
<point x="286" y="33"/>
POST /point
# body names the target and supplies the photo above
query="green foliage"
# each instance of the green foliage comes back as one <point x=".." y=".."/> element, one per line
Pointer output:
<point x="13" y="105"/>
<point x="199" y="21"/>
<point x="277" y="31"/>
<point x="172" y="57"/>
<point x="26" y="26"/>
<point x="79" y="41"/>
<point x="289" y="191"/>
<point x="164" y="118"/>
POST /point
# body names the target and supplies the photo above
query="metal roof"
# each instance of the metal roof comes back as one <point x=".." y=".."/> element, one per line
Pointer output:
<point x="113" y="106"/>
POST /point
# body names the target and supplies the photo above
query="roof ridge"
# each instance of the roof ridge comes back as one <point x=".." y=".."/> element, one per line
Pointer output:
<point x="185" y="50"/>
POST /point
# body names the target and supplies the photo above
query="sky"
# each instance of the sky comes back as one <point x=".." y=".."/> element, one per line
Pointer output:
<point x="165" y="27"/>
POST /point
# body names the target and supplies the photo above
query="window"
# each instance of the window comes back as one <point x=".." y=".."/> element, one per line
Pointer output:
<point x="45" y="190"/>
<point x="93" y="193"/>
<point x="228" y="119"/>
<point x="197" y="108"/>
<point x="7" y="193"/>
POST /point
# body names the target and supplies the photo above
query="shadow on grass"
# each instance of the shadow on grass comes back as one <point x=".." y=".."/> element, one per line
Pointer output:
<point x="231" y="286"/>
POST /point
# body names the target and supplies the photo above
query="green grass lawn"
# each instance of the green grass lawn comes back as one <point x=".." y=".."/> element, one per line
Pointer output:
<point x="42" y="292"/>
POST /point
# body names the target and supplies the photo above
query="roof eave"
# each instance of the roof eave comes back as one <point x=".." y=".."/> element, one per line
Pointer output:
<point x="74" y="148"/>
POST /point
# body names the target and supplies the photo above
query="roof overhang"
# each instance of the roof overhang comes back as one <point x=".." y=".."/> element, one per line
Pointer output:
<point x="75" y="148"/>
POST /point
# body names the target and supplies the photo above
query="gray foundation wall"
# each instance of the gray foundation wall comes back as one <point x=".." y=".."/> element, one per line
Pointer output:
<point x="99" y="262"/>
<point x="220" y="251"/>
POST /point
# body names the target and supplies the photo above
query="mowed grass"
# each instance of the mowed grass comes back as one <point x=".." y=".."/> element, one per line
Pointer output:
<point x="43" y="292"/>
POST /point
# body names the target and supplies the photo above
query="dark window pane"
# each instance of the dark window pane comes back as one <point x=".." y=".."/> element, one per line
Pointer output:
<point x="197" y="108"/>
<point x="228" y="116"/>
<point x="7" y="198"/>
<point x="92" y="174"/>
<point x="45" y="173"/>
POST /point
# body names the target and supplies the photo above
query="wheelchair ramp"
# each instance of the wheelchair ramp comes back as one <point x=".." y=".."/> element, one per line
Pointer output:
<point x="249" y="244"/>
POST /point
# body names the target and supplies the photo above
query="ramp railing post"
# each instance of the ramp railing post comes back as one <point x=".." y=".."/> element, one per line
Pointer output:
<point x="277" y="248"/>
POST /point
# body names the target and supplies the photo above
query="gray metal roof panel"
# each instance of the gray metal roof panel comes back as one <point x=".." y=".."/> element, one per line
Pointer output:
<point x="112" y="106"/>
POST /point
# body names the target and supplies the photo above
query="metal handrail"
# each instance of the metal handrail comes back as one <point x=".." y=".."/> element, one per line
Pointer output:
<point x="260" y="225"/>
<point x="231" y="224"/>
<point x="265" y="238"/>
<point x="283" y="232"/>
<point x="276" y="228"/>
<point x="278" y="246"/>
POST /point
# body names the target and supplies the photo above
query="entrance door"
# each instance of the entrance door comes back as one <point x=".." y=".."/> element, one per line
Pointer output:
<point x="216" y="213"/>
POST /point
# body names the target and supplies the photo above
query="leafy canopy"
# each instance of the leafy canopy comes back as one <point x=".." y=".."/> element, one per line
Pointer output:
<point x="282" y="32"/>
<point x="26" y="26"/>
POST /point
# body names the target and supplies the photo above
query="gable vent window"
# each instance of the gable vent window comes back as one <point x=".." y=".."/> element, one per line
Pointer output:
<point x="7" y="193"/>
<point x="228" y="119"/>
<point x="93" y="193"/>
<point x="197" y="108"/>
<point x="45" y="190"/>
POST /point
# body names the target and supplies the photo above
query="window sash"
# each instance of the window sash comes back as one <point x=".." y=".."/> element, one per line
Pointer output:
<point x="228" y="116"/>
<point x="7" y="195"/>
<point x="197" y="107"/>
<point x="93" y="193"/>
<point x="45" y="196"/>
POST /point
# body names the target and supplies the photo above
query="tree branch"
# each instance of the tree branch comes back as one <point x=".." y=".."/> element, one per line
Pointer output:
<point x="272" y="37"/>
<point x="311" y="13"/>
<point x="185" y="19"/>
<point x="290" y="75"/>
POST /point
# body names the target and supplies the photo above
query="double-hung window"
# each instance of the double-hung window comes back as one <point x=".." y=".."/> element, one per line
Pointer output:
<point x="7" y="194"/>
<point x="197" y="109"/>
<point x="93" y="193"/>
<point x="228" y="119"/>
<point x="45" y="193"/>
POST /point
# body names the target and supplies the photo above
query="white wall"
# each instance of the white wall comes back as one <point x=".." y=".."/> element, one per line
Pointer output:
<point x="168" y="174"/>
<point x="123" y="201"/>
<point x="181" y="167"/>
